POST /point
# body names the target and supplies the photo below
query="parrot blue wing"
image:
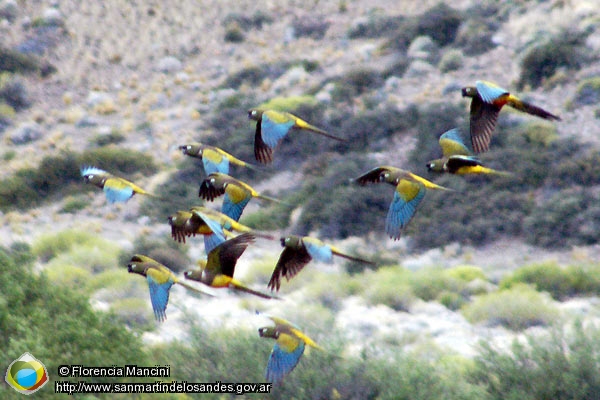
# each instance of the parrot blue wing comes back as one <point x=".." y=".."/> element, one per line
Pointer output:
<point x="232" y="209"/>
<point x="211" y="166"/>
<point x="318" y="251"/>
<point x="213" y="240"/>
<point x="489" y="91"/>
<point x="117" y="194"/>
<point x="282" y="362"/>
<point x="159" y="296"/>
<point x="401" y="210"/>
<point x="272" y="132"/>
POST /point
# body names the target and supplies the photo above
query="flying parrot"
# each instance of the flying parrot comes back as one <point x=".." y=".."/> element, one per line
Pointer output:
<point x="288" y="348"/>
<point x="410" y="191"/>
<point x="457" y="158"/>
<point x="299" y="251"/>
<point x="487" y="101"/>
<point x="272" y="126"/>
<point x="217" y="270"/>
<point x="214" y="225"/>
<point x="213" y="158"/>
<point x="237" y="193"/>
<point x="116" y="189"/>
<point x="160" y="279"/>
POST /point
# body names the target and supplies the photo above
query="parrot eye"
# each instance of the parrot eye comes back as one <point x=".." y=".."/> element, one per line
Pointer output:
<point x="90" y="176"/>
<point x="212" y="180"/>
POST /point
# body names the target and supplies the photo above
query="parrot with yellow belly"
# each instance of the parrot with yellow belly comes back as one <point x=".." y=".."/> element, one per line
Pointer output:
<point x="457" y="159"/>
<point x="213" y="158"/>
<point x="272" y="126"/>
<point x="290" y="343"/>
<point x="218" y="269"/>
<point x="237" y="193"/>
<point x="487" y="99"/>
<point x="116" y="189"/>
<point x="160" y="279"/>
<point x="299" y="251"/>
<point x="408" y="194"/>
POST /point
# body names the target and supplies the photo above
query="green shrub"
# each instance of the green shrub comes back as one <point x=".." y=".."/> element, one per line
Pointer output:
<point x="389" y="286"/>
<point x="72" y="204"/>
<point x="166" y="251"/>
<point x="234" y="33"/>
<point x="312" y="27"/>
<point x="565" y="50"/>
<point x="255" y="74"/>
<point x="588" y="92"/>
<point x="50" y="245"/>
<point x="557" y="365"/>
<point x="517" y="308"/>
<point x="440" y="23"/>
<point x="245" y="22"/>
<point x="13" y="92"/>
<point x="16" y="62"/>
<point x="355" y="83"/>
<point x="111" y="138"/>
<point x="376" y="25"/>
<point x="560" y="282"/>
<point x="451" y="61"/>
<point x="570" y="217"/>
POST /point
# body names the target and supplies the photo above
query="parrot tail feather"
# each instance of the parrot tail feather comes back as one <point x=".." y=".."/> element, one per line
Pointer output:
<point x="245" y="289"/>
<point x="351" y="258"/>
<point x="194" y="289"/>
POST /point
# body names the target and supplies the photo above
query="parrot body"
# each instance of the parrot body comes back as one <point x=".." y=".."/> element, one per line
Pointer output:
<point x="116" y="189"/>
<point x="272" y="126"/>
<point x="213" y="158"/>
<point x="160" y="279"/>
<point x="299" y="251"/>
<point x="288" y="349"/>
<point x="487" y="101"/>
<point x="215" y="226"/>
<point x="410" y="191"/>
<point x="237" y="193"/>
<point x="218" y="269"/>
<point x="457" y="158"/>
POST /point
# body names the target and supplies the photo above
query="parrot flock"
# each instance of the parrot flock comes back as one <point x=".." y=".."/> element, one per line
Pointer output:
<point x="225" y="239"/>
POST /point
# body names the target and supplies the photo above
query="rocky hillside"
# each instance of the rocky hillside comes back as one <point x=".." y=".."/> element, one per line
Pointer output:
<point x="121" y="84"/>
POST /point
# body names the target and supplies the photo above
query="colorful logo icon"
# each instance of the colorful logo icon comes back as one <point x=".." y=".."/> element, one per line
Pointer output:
<point x="26" y="374"/>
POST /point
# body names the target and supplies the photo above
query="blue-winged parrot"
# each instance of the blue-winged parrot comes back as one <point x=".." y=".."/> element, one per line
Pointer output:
<point x="457" y="158"/>
<point x="237" y="193"/>
<point x="289" y="347"/>
<point x="487" y="101"/>
<point x="272" y="126"/>
<point x="409" y="192"/>
<point x="213" y="158"/>
<point x="218" y="269"/>
<point x="160" y="279"/>
<point x="116" y="189"/>
<point x="299" y="251"/>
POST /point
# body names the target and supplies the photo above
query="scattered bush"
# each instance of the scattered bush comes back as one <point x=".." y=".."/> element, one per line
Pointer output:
<point x="560" y="282"/>
<point x="16" y="62"/>
<point x="517" y="308"/>
<point x="166" y="251"/>
<point x="254" y="75"/>
<point x="355" y="83"/>
<point x="13" y="92"/>
<point x="313" y="27"/>
<point x="376" y="25"/>
<point x="234" y="33"/>
<point x="257" y="20"/>
<point x="111" y="138"/>
<point x="389" y="286"/>
<point x="558" y="365"/>
<point x="588" y="92"/>
<point x="451" y="61"/>
<point x="540" y="62"/>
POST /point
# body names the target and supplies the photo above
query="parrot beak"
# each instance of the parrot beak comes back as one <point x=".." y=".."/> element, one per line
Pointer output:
<point x="129" y="268"/>
<point x="282" y="240"/>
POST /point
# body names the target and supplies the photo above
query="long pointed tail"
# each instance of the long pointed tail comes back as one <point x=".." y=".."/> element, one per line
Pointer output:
<point x="274" y="200"/>
<point x="305" y="125"/>
<point x="531" y="109"/>
<point x="242" y="288"/>
<point x="351" y="258"/>
<point x="190" y="287"/>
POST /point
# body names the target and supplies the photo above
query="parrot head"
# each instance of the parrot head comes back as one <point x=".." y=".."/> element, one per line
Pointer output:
<point x="136" y="265"/>
<point x="291" y="241"/>
<point x="255" y="114"/>
<point x="192" y="150"/>
<point x="436" y="166"/>
<point x="268" y="332"/>
<point x="194" y="275"/>
<point x="469" y="91"/>
<point x="93" y="175"/>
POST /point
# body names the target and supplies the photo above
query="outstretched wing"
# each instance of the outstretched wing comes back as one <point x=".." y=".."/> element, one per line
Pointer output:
<point x="291" y="261"/>
<point x="284" y="357"/>
<point x="407" y="197"/>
